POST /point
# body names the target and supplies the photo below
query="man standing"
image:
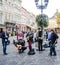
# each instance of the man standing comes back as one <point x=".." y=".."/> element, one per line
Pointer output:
<point x="40" y="39"/>
<point x="53" y="41"/>
<point x="4" y="37"/>
<point x="29" y="39"/>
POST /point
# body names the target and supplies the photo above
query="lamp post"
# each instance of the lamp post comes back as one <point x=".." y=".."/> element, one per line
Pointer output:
<point x="41" y="6"/>
<point x="41" y="9"/>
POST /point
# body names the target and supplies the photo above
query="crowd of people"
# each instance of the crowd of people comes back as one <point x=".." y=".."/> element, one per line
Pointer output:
<point x="51" y="36"/>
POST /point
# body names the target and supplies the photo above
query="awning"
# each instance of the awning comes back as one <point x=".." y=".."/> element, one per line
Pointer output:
<point x="26" y="25"/>
<point x="2" y="26"/>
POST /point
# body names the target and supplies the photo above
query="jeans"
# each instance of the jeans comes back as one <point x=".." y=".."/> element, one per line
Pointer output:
<point x="4" y="47"/>
<point x="52" y="48"/>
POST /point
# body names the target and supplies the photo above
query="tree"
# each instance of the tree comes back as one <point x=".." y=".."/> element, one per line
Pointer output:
<point x="42" y="20"/>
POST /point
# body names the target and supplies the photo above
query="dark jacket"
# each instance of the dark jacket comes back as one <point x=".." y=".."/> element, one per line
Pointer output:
<point x="30" y="35"/>
<point x="39" y="35"/>
<point x="3" y="36"/>
<point x="54" y="36"/>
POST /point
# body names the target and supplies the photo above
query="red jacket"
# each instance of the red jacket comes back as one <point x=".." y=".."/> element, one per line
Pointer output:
<point x="21" y="34"/>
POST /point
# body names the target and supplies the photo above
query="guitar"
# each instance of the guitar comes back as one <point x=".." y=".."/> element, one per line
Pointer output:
<point x="20" y="46"/>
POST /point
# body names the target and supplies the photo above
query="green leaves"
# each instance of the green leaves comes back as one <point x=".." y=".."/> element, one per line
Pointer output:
<point x="42" y="20"/>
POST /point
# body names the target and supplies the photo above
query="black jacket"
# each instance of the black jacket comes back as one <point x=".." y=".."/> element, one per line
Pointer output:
<point x="3" y="36"/>
<point x="39" y="35"/>
<point x="54" y="36"/>
<point x="30" y="35"/>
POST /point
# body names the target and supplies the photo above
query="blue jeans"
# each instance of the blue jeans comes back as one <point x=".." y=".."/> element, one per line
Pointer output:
<point x="4" y="47"/>
<point x="52" y="48"/>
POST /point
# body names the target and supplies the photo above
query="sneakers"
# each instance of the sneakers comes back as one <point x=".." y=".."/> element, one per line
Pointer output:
<point x="52" y="55"/>
<point x="5" y="53"/>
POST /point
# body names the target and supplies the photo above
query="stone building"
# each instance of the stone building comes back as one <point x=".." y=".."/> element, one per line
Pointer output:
<point x="10" y="14"/>
<point x="53" y="23"/>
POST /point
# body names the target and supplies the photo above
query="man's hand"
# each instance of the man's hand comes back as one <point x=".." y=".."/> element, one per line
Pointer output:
<point x="40" y="37"/>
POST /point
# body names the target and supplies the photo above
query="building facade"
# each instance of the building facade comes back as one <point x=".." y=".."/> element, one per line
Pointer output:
<point x="10" y="13"/>
<point x="53" y="23"/>
<point x="27" y="20"/>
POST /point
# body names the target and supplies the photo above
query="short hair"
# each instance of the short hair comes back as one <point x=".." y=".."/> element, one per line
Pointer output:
<point x="39" y="28"/>
<point x="52" y="30"/>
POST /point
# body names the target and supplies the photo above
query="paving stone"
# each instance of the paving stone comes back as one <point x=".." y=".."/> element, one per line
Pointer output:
<point x="42" y="58"/>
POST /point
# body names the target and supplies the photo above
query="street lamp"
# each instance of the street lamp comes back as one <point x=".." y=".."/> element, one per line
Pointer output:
<point x="41" y="4"/>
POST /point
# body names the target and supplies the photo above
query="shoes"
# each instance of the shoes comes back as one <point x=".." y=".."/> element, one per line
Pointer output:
<point x="43" y="50"/>
<point x="5" y="53"/>
<point x="54" y="55"/>
<point x="50" y="54"/>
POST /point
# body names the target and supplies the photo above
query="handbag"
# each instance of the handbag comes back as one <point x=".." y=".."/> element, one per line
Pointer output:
<point x="46" y="45"/>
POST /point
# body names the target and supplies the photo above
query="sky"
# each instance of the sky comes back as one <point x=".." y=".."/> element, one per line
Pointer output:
<point x="53" y="5"/>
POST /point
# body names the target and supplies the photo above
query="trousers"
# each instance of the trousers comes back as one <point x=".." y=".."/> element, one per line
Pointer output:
<point x="30" y="45"/>
<point x="40" y="45"/>
<point x="4" y="47"/>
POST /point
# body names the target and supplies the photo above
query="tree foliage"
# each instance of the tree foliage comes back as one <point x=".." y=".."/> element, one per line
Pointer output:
<point x="42" y="20"/>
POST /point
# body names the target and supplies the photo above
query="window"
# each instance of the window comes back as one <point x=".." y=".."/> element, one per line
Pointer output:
<point x="6" y="0"/>
<point x="7" y="16"/>
<point x="0" y="17"/>
<point x="9" y="3"/>
<point x="0" y="1"/>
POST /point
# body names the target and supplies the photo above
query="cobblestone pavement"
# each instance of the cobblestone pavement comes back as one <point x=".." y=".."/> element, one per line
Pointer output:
<point x="42" y="58"/>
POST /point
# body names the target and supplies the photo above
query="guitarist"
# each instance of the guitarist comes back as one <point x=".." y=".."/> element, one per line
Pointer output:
<point x="40" y="39"/>
<point x="29" y="37"/>
<point x="20" y="45"/>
